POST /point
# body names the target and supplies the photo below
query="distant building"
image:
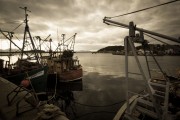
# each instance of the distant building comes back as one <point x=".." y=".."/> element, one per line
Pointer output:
<point x="169" y="51"/>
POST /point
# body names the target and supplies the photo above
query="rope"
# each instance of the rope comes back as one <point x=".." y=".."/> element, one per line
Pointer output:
<point x="140" y="92"/>
<point x="50" y="111"/>
<point x="102" y="105"/>
<point x="29" y="79"/>
<point x="145" y="9"/>
<point x="55" y="90"/>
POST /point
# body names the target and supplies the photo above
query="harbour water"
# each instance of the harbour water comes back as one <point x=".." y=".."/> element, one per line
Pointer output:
<point x="104" y="83"/>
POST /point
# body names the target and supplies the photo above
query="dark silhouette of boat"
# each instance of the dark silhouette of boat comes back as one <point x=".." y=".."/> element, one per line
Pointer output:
<point x="65" y="66"/>
<point x="28" y="66"/>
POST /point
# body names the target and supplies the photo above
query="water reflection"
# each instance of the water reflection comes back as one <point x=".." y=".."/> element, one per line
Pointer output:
<point x="100" y="90"/>
<point x="104" y="83"/>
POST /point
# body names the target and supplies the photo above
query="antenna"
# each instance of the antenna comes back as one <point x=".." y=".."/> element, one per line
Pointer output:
<point x="25" y="9"/>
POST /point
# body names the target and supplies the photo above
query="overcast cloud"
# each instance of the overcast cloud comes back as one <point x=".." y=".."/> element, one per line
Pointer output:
<point x="85" y="17"/>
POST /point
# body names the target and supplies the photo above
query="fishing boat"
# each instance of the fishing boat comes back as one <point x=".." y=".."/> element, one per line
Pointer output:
<point x="65" y="65"/>
<point x="28" y="66"/>
<point x="160" y="99"/>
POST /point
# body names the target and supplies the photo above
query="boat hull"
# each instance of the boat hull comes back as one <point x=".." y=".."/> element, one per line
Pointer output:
<point x="71" y="75"/>
<point x="38" y="78"/>
<point x="67" y="76"/>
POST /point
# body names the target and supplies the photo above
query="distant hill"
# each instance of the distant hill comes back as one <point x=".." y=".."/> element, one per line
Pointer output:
<point x="7" y="50"/>
<point x="111" y="49"/>
<point x="155" y="48"/>
<point x="18" y="51"/>
<point x="83" y="51"/>
<point x="161" y="47"/>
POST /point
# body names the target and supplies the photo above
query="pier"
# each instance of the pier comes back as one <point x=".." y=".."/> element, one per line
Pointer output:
<point x="8" y="112"/>
<point x="27" y="112"/>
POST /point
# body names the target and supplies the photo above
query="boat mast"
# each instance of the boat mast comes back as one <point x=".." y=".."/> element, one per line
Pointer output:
<point x="73" y="42"/>
<point x="10" y="46"/>
<point x="63" y="36"/>
<point x="26" y="30"/>
<point x="50" y="50"/>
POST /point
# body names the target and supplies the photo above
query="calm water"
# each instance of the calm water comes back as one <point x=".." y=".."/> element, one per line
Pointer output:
<point x="104" y="84"/>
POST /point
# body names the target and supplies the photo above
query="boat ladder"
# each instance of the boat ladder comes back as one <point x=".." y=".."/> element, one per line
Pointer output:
<point x="159" y="86"/>
<point x="154" y="104"/>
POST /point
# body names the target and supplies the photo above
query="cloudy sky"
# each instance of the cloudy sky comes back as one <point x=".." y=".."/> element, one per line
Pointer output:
<point x="85" y="17"/>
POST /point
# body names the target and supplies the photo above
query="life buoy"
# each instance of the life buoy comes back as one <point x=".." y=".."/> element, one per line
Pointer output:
<point x="25" y="83"/>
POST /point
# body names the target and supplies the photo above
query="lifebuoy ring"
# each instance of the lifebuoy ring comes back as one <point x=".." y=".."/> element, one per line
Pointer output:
<point x="25" y="83"/>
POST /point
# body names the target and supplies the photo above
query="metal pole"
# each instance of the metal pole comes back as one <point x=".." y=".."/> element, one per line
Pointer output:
<point x="10" y="39"/>
<point x="143" y="75"/>
<point x="108" y="21"/>
<point x="10" y="49"/>
<point x="126" y="71"/>
<point x="144" y="44"/>
<point x="63" y="40"/>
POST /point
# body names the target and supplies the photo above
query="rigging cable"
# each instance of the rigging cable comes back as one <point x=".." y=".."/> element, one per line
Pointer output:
<point x="9" y="22"/>
<point x="86" y="114"/>
<point x="106" y="105"/>
<point x="102" y="105"/>
<point x="54" y="44"/>
<point x="156" y="39"/>
<point x="17" y="27"/>
<point x="145" y="9"/>
<point x="175" y="47"/>
<point x="16" y="37"/>
<point x="117" y="26"/>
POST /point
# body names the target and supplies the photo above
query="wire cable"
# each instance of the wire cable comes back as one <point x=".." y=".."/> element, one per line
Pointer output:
<point x="140" y="92"/>
<point x="9" y="22"/>
<point x="102" y="105"/>
<point x="145" y="9"/>
<point x="175" y="47"/>
<point x="17" y="27"/>
<point x="55" y="90"/>
<point x="156" y="39"/>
